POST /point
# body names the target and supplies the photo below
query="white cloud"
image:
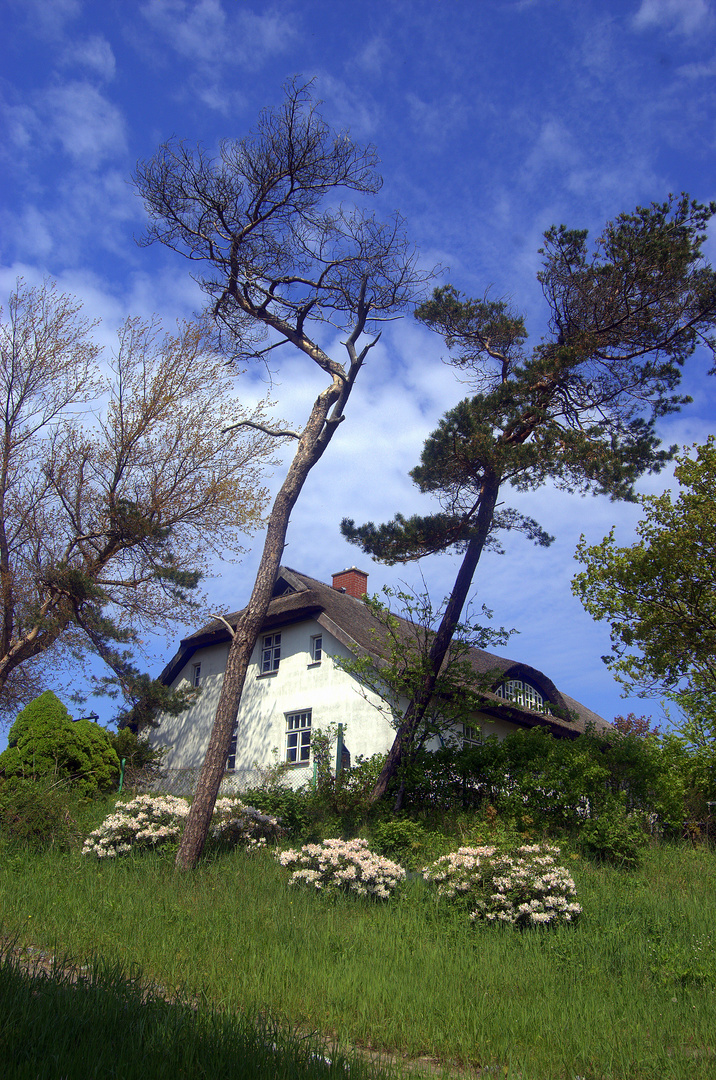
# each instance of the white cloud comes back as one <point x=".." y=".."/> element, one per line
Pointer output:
<point x="48" y="18"/>
<point x="699" y="70"/>
<point x="437" y="120"/>
<point x="374" y="57"/>
<point x="93" y="53"/>
<point x="685" y="17"/>
<point x="554" y="145"/>
<point x="204" y="33"/>
<point x="21" y="125"/>
<point x="88" y="126"/>
<point x="346" y="109"/>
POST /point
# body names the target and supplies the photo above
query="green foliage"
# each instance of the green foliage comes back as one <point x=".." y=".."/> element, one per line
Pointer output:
<point x="555" y="784"/>
<point x="403" y="840"/>
<point x="135" y="749"/>
<point x="614" y="836"/>
<point x="659" y="595"/>
<point x="39" y="813"/>
<point x="44" y="742"/>
<point x="293" y="807"/>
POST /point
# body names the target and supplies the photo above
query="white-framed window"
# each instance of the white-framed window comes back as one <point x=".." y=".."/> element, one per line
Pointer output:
<point x="316" y="648"/>
<point x="471" y="736"/>
<point x="231" y="759"/>
<point x="298" y="737"/>
<point x="522" y="693"/>
<point x="196" y="674"/>
<point x="270" y="653"/>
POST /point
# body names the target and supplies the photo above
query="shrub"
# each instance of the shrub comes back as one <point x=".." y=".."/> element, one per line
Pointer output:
<point x="293" y="807"/>
<point x="38" y="813"/>
<point x="343" y="865"/>
<point x="135" y="749"/>
<point x="153" y="821"/>
<point x="44" y="742"/>
<point x="615" y="837"/>
<point x="404" y="839"/>
<point x="235" y="823"/>
<point x="147" y="821"/>
<point x="525" y="888"/>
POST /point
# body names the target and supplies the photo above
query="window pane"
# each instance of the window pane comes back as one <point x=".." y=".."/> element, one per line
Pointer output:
<point x="270" y="653"/>
<point x="298" y="737"/>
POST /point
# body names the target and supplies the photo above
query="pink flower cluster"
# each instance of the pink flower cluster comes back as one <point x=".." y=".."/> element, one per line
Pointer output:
<point x="343" y="865"/>
<point x="525" y="888"/>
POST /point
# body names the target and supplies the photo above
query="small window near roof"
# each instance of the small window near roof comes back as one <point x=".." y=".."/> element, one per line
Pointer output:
<point x="523" y="694"/>
<point x="298" y="737"/>
<point x="270" y="653"/>
<point x="196" y="675"/>
<point x="317" y="649"/>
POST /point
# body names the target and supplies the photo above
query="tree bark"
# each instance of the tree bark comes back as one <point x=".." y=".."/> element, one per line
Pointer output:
<point x="417" y="707"/>
<point x="326" y="415"/>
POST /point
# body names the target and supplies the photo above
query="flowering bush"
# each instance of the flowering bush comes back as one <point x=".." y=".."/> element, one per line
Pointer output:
<point x="146" y="822"/>
<point x="343" y="865"/>
<point x="526" y="888"/>
<point x="149" y="821"/>
<point x="238" y="823"/>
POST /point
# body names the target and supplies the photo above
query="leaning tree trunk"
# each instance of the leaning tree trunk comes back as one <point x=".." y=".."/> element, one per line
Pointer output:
<point x="416" y="709"/>
<point x="312" y="443"/>
<point x="326" y="415"/>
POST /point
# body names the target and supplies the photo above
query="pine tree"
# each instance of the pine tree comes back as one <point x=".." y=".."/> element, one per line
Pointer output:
<point x="578" y="410"/>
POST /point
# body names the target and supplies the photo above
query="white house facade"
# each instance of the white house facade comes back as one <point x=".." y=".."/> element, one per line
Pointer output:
<point x="294" y="686"/>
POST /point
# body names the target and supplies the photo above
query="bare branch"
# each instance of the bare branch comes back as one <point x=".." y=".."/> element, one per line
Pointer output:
<point x="275" y="433"/>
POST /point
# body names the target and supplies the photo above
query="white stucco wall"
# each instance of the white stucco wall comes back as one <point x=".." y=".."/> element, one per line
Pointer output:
<point x="332" y="696"/>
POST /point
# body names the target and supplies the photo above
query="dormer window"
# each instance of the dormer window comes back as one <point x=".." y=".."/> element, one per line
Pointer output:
<point x="523" y="694"/>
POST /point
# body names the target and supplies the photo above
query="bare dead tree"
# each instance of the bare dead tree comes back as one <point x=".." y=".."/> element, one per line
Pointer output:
<point x="115" y="483"/>
<point x="281" y="258"/>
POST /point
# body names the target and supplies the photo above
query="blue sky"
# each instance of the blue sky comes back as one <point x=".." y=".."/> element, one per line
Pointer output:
<point x="493" y="119"/>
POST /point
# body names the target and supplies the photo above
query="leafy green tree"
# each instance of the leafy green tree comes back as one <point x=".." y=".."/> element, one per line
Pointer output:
<point x="659" y="596"/>
<point x="579" y="410"/>
<point x="45" y="742"/>
<point x="116" y="484"/>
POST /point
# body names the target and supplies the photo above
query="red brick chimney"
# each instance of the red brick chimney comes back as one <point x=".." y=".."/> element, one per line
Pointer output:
<point x="351" y="581"/>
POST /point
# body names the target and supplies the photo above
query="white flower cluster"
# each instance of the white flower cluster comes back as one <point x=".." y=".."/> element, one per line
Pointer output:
<point x="343" y="865"/>
<point x="526" y="888"/>
<point x="242" y="824"/>
<point x="147" y="821"/>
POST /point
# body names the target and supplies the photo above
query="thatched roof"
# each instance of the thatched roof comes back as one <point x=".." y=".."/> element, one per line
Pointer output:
<point x="298" y="597"/>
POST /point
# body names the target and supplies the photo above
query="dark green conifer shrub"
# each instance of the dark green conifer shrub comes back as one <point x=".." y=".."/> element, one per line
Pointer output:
<point x="44" y="742"/>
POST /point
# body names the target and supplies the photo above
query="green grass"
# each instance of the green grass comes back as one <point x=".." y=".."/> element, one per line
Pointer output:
<point x="101" y="1022"/>
<point x="630" y="992"/>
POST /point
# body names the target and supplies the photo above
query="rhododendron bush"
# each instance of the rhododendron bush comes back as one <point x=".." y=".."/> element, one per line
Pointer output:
<point x="527" y="888"/>
<point x="343" y="865"/>
<point x="151" y="821"/>
<point x="238" y="823"/>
